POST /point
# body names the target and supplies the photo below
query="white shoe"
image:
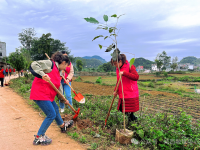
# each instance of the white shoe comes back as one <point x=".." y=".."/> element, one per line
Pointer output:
<point x="62" y="110"/>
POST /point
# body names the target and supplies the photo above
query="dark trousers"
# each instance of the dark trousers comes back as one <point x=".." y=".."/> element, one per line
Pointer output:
<point x="1" y="79"/>
<point x="6" y="74"/>
<point x="131" y="116"/>
<point x="10" y="73"/>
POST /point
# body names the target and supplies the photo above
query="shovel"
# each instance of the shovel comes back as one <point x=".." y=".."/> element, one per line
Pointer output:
<point x="6" y="84"/>
<point x="78" y="97"/>
<point x="76" y="112"/>
<point x="112" y="101"/>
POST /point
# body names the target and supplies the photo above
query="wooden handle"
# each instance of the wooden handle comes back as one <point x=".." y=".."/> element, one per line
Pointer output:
<point x="47" y="56"/>
<point x="113" y="98"/>
<point x="61" y="95"/>
<point x="67" y="83"/>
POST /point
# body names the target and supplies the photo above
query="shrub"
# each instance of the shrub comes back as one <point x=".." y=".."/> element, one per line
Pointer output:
<point x="157" y="74"/>
<point x="78" y="79"/>
<point x="165" y="74"/>
<point x="75" y="135"/>
<point x="83" y="139"/>
<point x="99" y="80"/>
<point x="151" y="85"/>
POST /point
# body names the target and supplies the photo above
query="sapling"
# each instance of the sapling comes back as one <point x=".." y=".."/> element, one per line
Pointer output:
<point x="113" y="33"/>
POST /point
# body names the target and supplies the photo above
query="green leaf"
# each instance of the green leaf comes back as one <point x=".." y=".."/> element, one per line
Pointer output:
<point x="105" y="17"/>
<point x="92" y="20"/>
<point x="97" y="37"/>
<point x="115" y="54"/>
<point x="105" y="37"/>
<point x="106" y="28"/>
<point x="113" y="35"/>
<point x="100" y="46"/>
<point x="109" y="48"/>
<point x="114" y="15"/>
<point x="110" y="30"/>
<point x="132" y="62"/>
<point x="99" y="28"/>
<point x="141" y="133"/>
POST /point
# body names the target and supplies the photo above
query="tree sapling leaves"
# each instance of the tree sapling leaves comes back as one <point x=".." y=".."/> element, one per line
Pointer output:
<point x="110" y="30"/>
<point x="109" y="48"/>
<point x="115" y="54"/>
<point x="132" y="62"/>
<point x="92" y="20"/>
<point x="105" y="17"/>
<point x="97" y="37"/>
<point x="100" y="46"/>
<point x="114" y="15"/>
<point x="105" y="37"/>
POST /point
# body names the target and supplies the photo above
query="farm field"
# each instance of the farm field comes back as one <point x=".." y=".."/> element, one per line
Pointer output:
<point x="159" y="101"/>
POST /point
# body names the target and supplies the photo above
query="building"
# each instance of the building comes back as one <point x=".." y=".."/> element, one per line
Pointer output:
<point x="2" y="50"/>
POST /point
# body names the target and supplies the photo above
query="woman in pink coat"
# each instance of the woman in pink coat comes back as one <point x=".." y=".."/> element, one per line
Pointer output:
<point x="130" y="87"/>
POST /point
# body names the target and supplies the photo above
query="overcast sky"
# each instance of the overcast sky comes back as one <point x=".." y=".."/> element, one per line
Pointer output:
<point x="147" y="28"/>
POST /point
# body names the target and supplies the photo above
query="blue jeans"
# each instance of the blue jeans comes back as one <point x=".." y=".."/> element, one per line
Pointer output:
<point x="67" y="91"/>
<point x="52" y="112"/>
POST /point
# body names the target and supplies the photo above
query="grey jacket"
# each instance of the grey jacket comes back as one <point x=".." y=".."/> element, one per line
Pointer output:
<point x="41" y="67"/>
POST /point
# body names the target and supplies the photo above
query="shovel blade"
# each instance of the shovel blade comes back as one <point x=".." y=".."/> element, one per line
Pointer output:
<point x="80" y="98"/>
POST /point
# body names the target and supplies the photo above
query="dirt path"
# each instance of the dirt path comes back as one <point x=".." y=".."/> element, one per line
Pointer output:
<point x="19" y="123"/>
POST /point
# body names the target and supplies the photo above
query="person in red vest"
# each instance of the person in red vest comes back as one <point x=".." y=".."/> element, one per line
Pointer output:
<point x="22" y="72"/>
<point x="130" y="87"/>
<point x="10" y="71"/>
<point x="43" y="94"/>
<point x="68" y="74"/>
<point x="6" y="72"/>
<point x="14" y="71"/>
<point x="2" y="73"/>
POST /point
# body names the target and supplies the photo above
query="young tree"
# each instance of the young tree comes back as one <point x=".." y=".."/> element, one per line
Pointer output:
<point x="174" y="63"/>
<point x="158" y="61"/>
<point x="79" y="65"/>
<point x="26" y="37"/>
<point x="17" y="60"/>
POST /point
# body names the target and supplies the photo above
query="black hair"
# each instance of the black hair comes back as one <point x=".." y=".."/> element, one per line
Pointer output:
<point x="1" y="66"/>
<point x="121" y="57"/>
<point x="59" y="58"/>
<point x="63" y="52"/>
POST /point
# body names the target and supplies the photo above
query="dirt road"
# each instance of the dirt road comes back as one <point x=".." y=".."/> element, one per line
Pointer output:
<point x="19" y="123"/>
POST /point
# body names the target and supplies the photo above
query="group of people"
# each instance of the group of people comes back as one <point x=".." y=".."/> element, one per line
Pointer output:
<point x="9" y="71"/>
<point x="51" y="70"/>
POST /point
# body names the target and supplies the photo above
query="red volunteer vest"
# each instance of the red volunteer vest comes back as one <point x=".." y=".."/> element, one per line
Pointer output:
<point x="130" y="87"/>
<point x="67" y="71"/>
<point x="1" y="73"/>
<point x="10" y="70"/>
<point x="42" y="90"/>
<point x="13" y="70"/>
<point x="6" y="70"/>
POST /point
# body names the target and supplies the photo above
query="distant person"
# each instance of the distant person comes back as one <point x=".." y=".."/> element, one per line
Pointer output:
<point x="130" y="87"/>
<point x="14" y="71"/>
<point x="7" y="72"/>
<point x="10" y="71"/>
<point x="22" y="72"/>
<point x="2" y="73"/>
<point x="68" y="74"/>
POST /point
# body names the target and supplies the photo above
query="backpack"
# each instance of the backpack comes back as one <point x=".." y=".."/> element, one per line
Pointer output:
<point x="4" y="72"/>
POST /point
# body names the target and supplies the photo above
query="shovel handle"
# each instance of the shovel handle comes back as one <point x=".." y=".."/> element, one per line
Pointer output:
<point x="61" y="95"/>
<point x="113" y="100"/>
<point x="47" y="56"/>
<point x="68" y="84"/>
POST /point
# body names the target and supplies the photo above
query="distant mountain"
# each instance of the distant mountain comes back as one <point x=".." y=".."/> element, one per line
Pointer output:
<point x="90" y="63"/>
<point x="95" y="57"/>
<point x="190" y="59"/>
<point x="143" y="62"/>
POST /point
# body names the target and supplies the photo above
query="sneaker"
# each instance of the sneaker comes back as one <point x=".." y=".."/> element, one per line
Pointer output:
<point x="43" y="140"/>
<point x="68" y="124"/>
<point x="62" y="110"/>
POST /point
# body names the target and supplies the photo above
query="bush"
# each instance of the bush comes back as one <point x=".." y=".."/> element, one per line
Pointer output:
<point x="78" y="79"/>
<point x="99" y="80"/>
<point x="157" y="74"/>
<point x="165" y="74"/>
<point x="151" y="85"/>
